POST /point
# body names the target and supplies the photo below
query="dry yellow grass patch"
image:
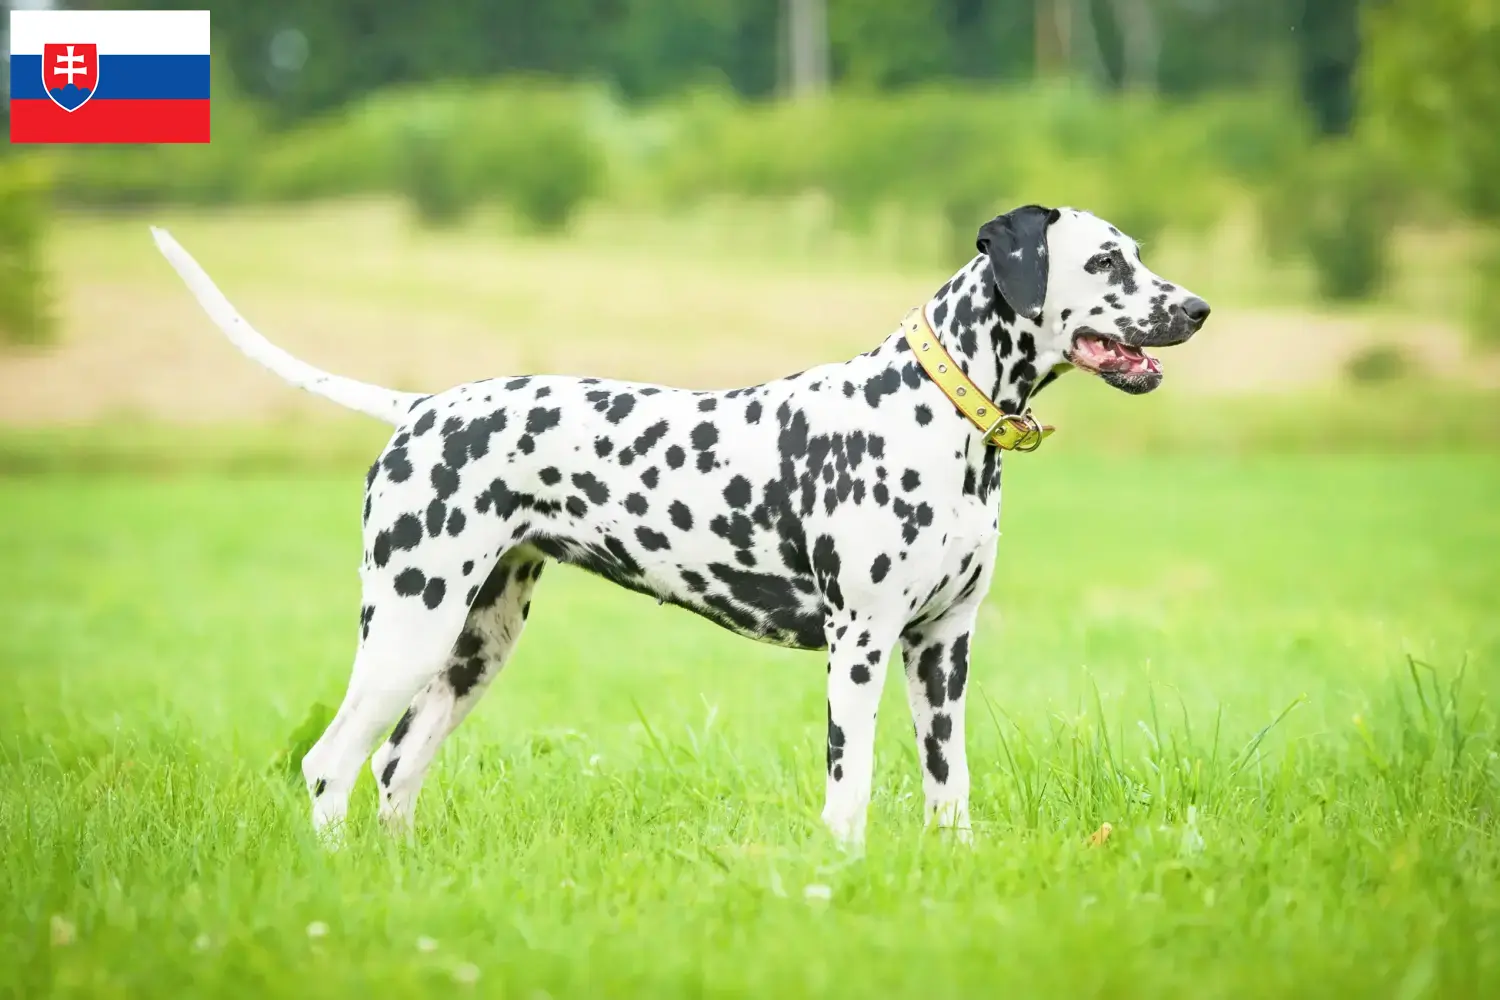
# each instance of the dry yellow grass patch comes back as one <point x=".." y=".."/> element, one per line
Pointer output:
<point x="356" y="290"/>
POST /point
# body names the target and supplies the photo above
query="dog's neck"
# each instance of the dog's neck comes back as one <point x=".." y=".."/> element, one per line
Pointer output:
<point x="978" y="328"/>
<point x="997" y="350"/>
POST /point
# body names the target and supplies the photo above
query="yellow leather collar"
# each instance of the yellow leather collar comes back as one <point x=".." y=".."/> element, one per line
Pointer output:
<point x="1007" y="432"/>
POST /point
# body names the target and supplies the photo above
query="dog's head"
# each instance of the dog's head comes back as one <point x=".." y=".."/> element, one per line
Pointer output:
<point x="1082" y="280"/>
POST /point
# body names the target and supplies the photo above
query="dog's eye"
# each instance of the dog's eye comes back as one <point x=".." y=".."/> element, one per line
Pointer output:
<point x="1101" y="262"/>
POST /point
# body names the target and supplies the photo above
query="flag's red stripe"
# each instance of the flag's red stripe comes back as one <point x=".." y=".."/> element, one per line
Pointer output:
<point x="110" y="121"/>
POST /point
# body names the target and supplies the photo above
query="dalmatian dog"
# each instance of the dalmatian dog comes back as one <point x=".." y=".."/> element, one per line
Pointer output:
<point x="850" y="508"/>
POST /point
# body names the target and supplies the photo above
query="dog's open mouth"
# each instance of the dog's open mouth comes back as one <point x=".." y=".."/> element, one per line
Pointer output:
<point x="1120" y="364"/>
<point x="1097" y="354"/>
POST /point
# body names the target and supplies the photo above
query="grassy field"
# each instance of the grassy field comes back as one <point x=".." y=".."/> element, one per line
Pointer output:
<point x="1250" y="621"/>
<point x="634" y="807"/>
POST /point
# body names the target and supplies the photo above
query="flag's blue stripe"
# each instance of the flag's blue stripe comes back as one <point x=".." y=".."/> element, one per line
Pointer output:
<point x="124" y="78"/>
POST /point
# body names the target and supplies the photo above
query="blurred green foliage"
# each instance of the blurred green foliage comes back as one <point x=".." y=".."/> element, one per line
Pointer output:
<point x="1328" y="53"/>
<point x="1336" y="203"/>
<point x="924" y="117"/>
<point x="444" y="147"/>
<point x="545" y="149"/>
<point x="1143" y="163"/>
<point x="1431" y="79"/>
<point x="24" y="314"/>
<point x="1379" y="363"/>
<point x="307" y="58"/>
<point x="448" y="149"/>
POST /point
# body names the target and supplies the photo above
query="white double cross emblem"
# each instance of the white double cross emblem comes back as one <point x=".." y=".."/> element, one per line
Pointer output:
<point x="70" y="65"/>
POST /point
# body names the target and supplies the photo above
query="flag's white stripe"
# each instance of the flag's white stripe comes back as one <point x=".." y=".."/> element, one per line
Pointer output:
<point x="116" y="32"/>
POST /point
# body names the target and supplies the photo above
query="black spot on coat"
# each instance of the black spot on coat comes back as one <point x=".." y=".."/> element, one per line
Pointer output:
<point x="397" y="465"/>
<point x="410" y="582"/>
<point x="541" y="420"/>
<point x="596" y="491"/>
<point x="651" y="541"/>
<point x="620" y="408"/>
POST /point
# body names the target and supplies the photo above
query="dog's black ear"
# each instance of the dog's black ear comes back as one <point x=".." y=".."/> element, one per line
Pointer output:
<point x="1016" y="244"/>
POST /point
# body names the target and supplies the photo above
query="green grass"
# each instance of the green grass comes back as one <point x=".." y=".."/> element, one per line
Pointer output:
<point x="634" y="806"/>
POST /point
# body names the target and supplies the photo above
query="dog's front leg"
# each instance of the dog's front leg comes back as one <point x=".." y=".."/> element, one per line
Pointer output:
<point x="937" y="676"/>
<point x="857" y="656"/>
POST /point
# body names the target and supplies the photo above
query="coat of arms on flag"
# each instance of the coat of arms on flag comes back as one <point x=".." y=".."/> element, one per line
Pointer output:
<point x="70" y="73"/>
<point x="109" y="76"/>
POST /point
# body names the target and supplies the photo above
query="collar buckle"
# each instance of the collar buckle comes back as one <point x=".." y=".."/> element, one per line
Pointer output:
<point x="1030" y="430"/>
<point x="1031" y="440"/>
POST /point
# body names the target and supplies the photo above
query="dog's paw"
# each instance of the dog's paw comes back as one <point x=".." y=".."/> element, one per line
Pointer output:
<point x="961" y="835"/>
<point x="397" y="818"/>
<point x="329" y="822"/>
<point x="951" y="820"/>
<point x="331" y="836"/>
<point x="847" y="829"/>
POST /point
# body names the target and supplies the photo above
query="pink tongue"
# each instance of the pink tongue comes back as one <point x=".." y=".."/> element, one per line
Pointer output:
<point x="1112" y="356"/>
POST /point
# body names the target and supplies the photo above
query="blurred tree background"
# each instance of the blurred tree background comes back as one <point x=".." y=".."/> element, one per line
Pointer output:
<point x="303" y="58"/>
<point x="1332" y="122"/>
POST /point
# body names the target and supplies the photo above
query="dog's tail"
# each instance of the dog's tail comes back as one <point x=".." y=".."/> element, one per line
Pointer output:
<point x="380" y="403"/>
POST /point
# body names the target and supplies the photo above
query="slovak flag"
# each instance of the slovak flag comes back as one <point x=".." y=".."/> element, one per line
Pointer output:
<point x="109" y="76"/>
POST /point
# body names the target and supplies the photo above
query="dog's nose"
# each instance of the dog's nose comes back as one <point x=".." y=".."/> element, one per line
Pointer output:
<point x="1196" y="310"/>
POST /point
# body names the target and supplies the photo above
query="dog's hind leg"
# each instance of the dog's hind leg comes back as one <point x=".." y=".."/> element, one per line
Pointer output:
<point x="409" y="623"/>
<point x="494" y="624"/>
